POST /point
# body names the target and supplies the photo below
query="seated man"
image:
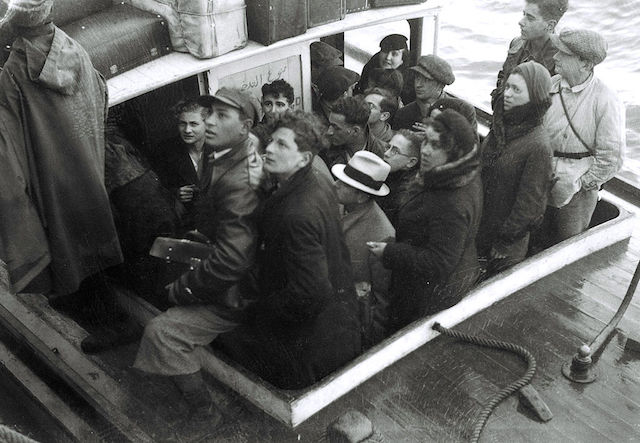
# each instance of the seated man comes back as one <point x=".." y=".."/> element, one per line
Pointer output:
<point x="432" y="74"/>
<point x="382" y="108"/>
<point x="363" y="221"/>
<point x="348" y="132"/>
<point x="403" y="156"/>
<point x="305" y="322"/>
<point x="336" y="82"/>
<point x="180" y="160"/>
<point x="204" y="307"/>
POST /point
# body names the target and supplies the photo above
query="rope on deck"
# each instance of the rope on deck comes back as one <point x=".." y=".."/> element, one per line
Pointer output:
<point x="504" y="393"/>
<point x="8" y="435"/>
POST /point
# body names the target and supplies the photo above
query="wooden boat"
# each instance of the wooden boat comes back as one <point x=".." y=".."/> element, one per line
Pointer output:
<point x="415" y="385"/>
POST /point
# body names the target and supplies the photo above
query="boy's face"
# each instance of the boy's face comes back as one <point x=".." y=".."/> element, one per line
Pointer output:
<point x="275" y="107"/>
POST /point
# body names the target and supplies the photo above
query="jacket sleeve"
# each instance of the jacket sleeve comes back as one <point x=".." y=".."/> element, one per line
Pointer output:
<point x="447" y="230"/>
<point x="308" y="288"/>
<point x="609" y="142"/>
<point x="234" y="247"/>
<point x="531" y="197"/>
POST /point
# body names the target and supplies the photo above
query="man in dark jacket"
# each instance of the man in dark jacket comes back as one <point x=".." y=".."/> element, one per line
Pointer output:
<point x="304" y="325"/>
<point x="204" y="304"/>
<point x="348" y="132"/>
<point x="180" y="160"/>
<point x="539" y="21"/>
<point x="432" y="74"/>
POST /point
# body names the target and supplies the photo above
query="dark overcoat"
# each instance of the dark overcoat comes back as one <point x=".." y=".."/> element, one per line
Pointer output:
<point x="305" y="324"/>
<point x="434" y="260"/>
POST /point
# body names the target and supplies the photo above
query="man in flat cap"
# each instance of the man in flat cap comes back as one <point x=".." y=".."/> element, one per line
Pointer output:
<point x="587" y="129"/>
<point x="393" y="54"/>
<point x="56" y="225"/>
<point x="538" y="23"/>
<point x="432" y="74"/>
<point x="203" y="304"/>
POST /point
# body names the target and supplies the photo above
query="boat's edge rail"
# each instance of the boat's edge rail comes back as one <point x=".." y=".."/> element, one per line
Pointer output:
<point x="293" y="408"/>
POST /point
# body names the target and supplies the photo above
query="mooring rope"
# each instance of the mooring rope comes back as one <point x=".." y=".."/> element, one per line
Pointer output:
<point x="504" y="393"/>
<point x="8" y="435"/>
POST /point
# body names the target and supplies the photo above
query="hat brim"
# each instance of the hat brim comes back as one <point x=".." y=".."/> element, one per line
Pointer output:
<point x="560" y="46"/>
<point x="338" y="171"/>
<point x="423" y="72"/>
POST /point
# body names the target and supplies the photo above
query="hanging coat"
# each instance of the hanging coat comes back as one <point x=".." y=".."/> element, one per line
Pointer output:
<point x="54" y="105"/>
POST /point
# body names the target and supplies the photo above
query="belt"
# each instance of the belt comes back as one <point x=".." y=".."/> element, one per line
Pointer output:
<point x="572" y="155"/>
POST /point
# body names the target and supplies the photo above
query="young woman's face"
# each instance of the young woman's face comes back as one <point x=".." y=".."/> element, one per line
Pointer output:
<point x="391" y="59"/>
<point x="516" y="92"/>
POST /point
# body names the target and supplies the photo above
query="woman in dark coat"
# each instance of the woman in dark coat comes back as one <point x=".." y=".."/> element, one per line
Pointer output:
<point x="516" y="167"/>
<point x="434" y="260"/>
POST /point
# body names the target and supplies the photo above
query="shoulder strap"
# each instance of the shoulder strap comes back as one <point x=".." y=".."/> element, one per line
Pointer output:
<point x="566" y="113"/>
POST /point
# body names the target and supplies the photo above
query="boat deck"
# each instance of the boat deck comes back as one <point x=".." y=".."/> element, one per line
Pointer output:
<point x="436" y="393"/>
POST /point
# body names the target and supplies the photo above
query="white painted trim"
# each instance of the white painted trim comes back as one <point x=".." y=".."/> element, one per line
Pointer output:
<point x="293" y="410"/>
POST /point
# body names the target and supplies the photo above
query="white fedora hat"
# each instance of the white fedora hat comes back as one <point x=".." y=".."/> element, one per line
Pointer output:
<point x="366" y="172"/>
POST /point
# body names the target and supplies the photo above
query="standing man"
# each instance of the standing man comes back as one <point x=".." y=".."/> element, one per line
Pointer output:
<point x="56" y="226"/>
<point x="203" y="304"/>
<point x="382" y="108"/>
<point x="348" y="132"/>
<point x="432" y="74"/>
<point x="403" y="156"/>
<point x="179" y="161"/>
<point x="587" y="129"/>
<point x="304" y="324"/>
<point x="538" y="23"/>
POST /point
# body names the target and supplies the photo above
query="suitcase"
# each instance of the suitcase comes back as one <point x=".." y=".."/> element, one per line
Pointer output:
<point x="320" y="12"/>
<point x="357" y="5"/>
<point x="120" y="38"/>
<point x="68" y="11"/>
<point x="205" y="28"/>
<point x="269" y="21"/>
<point x="386" y="3"/>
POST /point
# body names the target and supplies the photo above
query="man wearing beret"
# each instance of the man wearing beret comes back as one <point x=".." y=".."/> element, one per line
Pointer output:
<point x="432" y="74"/>
<point x="393" y="55"/>
<point x="203" y="304"/>
<point x="539" y="20"/>
<point x="587" y="129"/>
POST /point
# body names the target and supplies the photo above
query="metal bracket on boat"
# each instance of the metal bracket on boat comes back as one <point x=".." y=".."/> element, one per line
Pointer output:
<point x="581" y="369"/>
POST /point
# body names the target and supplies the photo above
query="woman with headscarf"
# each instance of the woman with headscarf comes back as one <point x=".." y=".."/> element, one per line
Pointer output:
<point x="516" y="167"/>
<point x="434" y="261"/>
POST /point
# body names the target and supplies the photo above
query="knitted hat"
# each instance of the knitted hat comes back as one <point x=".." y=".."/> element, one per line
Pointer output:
<point x="586" y="44"/>
<point x="366" y="172"/>
<point x="334" y="82"/>
<point x="393" y="42"/>
<point x="537" y="79"/>
<point x="458" y="105"/>
<point x="26" y="13"/>
<point x="432" y="66"/>
<point x="463" y="135"/>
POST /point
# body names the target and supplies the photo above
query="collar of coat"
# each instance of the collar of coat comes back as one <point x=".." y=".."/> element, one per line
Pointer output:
<point x="452" y="175"/>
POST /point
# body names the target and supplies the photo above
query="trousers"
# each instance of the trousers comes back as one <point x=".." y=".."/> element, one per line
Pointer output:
<point x="170" y="339"/>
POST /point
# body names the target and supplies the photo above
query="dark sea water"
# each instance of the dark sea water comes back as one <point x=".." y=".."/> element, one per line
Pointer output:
<point x="475" y="34"/>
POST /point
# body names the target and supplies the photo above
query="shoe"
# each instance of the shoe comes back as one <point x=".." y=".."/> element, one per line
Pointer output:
<point x="108" y="338"/>
<point x="202" y="424"/>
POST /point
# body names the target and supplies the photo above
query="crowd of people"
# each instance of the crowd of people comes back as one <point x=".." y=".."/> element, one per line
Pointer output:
<point x="385" y="193"/>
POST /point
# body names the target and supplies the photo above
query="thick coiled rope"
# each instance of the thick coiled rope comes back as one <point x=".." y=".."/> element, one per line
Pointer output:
<point x="8" y="435"/>
<point x="504" y="393"/>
